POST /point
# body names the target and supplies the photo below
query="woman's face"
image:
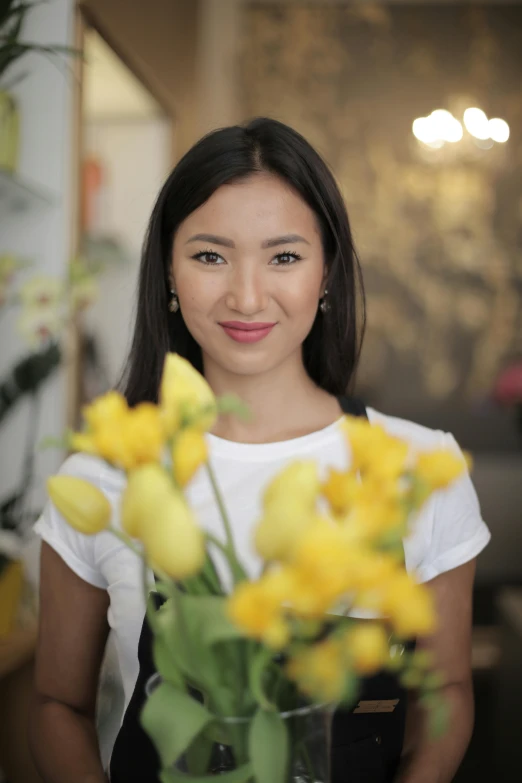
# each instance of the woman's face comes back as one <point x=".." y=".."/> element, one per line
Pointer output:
<point x="248" y="269"/>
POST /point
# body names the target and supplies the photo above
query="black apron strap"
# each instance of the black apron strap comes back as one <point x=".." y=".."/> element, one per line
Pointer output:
<point x="134" y="758"/>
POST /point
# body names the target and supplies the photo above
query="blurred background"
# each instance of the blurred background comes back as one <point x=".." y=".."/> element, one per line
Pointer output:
<point x="416" y="106"/>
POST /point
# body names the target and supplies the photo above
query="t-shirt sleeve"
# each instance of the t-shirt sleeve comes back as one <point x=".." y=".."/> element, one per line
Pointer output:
<point x="76" y="549"/>
<point x="458" y="532"/>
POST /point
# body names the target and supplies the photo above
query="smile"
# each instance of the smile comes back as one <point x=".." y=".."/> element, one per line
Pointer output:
<point x="243" y="332"/>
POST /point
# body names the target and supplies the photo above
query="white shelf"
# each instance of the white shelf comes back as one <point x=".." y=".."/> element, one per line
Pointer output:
<point x="19" y="195"/>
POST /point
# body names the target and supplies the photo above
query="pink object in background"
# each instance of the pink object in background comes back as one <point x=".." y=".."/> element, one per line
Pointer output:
<point x="508" y="387"/>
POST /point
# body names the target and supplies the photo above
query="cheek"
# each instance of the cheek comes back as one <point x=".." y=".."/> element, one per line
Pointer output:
<point x="301" y="297"/>
<point x="197" y="292"/>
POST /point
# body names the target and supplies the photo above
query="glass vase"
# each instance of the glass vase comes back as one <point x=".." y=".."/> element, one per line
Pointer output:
<point x="223" y="746"/>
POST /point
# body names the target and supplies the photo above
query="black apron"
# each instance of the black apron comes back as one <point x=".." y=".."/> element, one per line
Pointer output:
<point x="366" y="739"/>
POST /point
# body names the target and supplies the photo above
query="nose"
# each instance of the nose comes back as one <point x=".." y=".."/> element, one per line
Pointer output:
<point x="247" y="292"/>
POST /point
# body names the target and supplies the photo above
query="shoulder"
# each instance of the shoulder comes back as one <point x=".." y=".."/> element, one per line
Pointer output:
<point x="419" y="437"/>
<point x="95" y="470"/>
<point x="449" y="529"/>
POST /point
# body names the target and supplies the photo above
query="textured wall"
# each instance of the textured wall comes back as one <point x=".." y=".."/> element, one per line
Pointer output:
<point x="440" y="243"/>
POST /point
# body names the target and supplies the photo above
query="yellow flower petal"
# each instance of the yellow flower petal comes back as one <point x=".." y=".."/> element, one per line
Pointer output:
<point x="367" y="645"/>
<point x="83" y="441"/>
<point x="280" y="529"/>
<point x="146" y="491"/>
<point x="257" y="608"/>
<point x="410" y="606"/>
<point x="185" y="397"/>
<point x="188" y="454"/>
<point x="172" y="539"/>
<point x="439" y="468"/>
<point x="144" y="436"/>
<point x="299" y="481"/>
<point x="373" y="450"/>
<point x="83" y="505"/>
<point x="104" y="409"/>
<point x="340" y="489"/>
<point x="320" y="671"/>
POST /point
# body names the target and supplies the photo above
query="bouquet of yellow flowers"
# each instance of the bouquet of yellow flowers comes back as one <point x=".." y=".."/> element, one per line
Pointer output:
<point x="243" y="669"/>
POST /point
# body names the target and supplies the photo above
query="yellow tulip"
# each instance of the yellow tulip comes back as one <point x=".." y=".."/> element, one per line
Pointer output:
<point x="85" y="442"/>
<point x="298" y="481"/>
<point x="319" y="670"/>
<point x="147" y="489"/>
<point x="373" y="450"/>
<point x="126" y="437"/>
<point x="186" y="399"/>
<point x="439" y="468"/>
<point x="143" y="435"/>
<point x="189" y="452"/>
<point x="109" y="407"/>
<point x="279" y="530"/>
<point x="256" y="608"/>
<point x="172" y="539"/>
<point x="83" y="505"/>
<point x="367" y="646"/>
<point x="289" y="504"/>
<point x="410" y="606"/>
<point x="340" y="489"/>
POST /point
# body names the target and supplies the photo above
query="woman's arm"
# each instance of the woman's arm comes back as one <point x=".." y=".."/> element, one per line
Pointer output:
<point x="72" y="636"/>
<point x="437" y="762"/>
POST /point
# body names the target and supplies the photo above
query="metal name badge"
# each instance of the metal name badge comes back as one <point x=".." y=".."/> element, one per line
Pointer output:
<point x="376" y="705"/>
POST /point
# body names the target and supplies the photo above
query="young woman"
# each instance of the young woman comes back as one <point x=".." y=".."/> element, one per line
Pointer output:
<point x="249" y="271"/>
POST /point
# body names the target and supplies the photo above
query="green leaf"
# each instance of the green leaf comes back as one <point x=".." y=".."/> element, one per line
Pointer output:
<point x="206" y="581"/>
<point x="198" y="755"/>
<point x="269" y="747"/>
<point x="164" y="662"/>
<point x="240" y="775"/>
<point x="261" y="660"/>
<point x="210" y="615"/>
<point x="174" y="643"/>
<point x="351" y="689"/>
<point x="172" y="719"/>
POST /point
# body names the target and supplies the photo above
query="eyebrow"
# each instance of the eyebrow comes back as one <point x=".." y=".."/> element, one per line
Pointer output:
<point x="286" y="239"/>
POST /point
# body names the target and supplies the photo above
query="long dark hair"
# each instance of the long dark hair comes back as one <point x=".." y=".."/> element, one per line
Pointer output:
<point x="331" y="350"/>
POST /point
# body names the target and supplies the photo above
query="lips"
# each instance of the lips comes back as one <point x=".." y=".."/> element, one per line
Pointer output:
<point x="244" y="332"/>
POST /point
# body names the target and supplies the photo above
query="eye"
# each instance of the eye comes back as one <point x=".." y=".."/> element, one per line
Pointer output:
<point x="209" y="257"/>
<point x="286" y="258"/>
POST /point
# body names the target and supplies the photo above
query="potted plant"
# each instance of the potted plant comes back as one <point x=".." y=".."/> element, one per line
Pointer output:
<point x="12" y="48"/>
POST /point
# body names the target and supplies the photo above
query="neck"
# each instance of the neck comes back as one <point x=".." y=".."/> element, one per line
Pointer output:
<point x="284" y="403"/>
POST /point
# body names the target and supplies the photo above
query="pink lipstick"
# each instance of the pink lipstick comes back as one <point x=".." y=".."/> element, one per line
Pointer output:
<point x="244" y="332"/>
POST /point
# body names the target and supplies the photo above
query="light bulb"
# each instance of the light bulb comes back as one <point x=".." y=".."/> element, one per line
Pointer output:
<point x="498" y="130"/>
<point x="477" y="123"/>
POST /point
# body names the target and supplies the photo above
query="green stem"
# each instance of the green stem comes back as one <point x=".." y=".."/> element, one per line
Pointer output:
<point x="217" y="543"/>
<point x="222" y="509"/>
<point x="255" y="677"/>
<point x="238" y="572"/>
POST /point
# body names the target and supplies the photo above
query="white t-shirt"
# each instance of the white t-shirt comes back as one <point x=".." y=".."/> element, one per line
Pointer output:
<point x="449" y="530"/>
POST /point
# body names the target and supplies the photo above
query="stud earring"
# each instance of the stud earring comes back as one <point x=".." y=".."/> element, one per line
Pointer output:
<point x="174" y="302"/>
<point x="324" y="305"/>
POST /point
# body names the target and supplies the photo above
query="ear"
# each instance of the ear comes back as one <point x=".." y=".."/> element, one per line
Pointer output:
<point x="324" y="282"/>
<point x="172" y="284"/>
